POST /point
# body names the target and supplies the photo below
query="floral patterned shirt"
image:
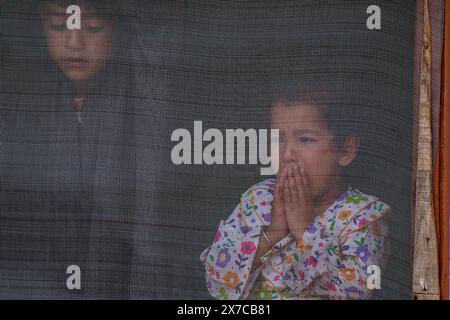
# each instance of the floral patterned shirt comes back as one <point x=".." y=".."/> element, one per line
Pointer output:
<point x="330" y="262"/>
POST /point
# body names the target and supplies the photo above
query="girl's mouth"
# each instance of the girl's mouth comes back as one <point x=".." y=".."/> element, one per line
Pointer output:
<point x="76" y="63"/>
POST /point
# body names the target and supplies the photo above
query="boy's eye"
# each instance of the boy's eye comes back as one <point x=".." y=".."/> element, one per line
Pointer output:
<point x="305" y="140"/>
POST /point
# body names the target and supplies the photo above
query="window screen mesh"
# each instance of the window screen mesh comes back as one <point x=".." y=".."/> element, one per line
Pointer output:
<point x="94" y="185"/>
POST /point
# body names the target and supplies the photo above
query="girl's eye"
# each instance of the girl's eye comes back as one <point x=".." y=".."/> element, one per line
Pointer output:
<point x="58" y="27"/>
<point x="306" y="140"/>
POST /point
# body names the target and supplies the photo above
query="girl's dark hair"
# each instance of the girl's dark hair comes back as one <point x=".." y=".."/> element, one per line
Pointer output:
<point x="336" y="102"/>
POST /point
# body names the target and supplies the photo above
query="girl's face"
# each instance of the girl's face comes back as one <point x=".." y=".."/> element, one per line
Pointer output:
<point x="306" y="139"/>
<point x="79" y="53"/>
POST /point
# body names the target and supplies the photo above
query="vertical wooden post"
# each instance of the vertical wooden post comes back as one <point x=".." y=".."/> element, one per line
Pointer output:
<point x="425" y="265"/>
<point x="442" y="191"/>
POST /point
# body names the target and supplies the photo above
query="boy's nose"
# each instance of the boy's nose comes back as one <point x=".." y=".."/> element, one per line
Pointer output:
<point x="74" y="40"/>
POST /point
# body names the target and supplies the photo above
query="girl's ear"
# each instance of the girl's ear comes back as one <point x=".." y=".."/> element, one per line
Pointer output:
<point x="348" y="151"/>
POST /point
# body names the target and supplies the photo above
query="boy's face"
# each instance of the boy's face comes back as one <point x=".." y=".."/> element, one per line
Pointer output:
<point x="305" y="139"/>
<point x="79" y="53"/>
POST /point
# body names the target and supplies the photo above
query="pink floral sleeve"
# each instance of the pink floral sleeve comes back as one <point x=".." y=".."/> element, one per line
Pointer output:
<point x="229" y="259"/>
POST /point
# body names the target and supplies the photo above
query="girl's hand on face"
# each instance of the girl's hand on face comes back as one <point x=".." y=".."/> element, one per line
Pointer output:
<point x="278" y="227"/>
<point x="298" y="204"/>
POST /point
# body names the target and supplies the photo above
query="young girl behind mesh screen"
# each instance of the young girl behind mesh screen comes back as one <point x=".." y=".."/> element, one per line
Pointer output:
<point x="305" y="234"/>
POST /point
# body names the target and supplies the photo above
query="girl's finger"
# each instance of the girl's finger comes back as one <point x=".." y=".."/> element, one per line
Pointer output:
<point x="282" y="177"/>
<point x="305" y="182"/>
<point x="280" y="183"/>
<point x="299" y="181"/>
<point x="287" y="197"/>
<point x="305" y="192"/>
<point x="278" y="197"/>
<point x="292" y="184"/>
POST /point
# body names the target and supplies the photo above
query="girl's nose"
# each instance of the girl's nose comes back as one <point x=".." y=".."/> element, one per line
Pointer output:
<point x="74" y="40"/>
